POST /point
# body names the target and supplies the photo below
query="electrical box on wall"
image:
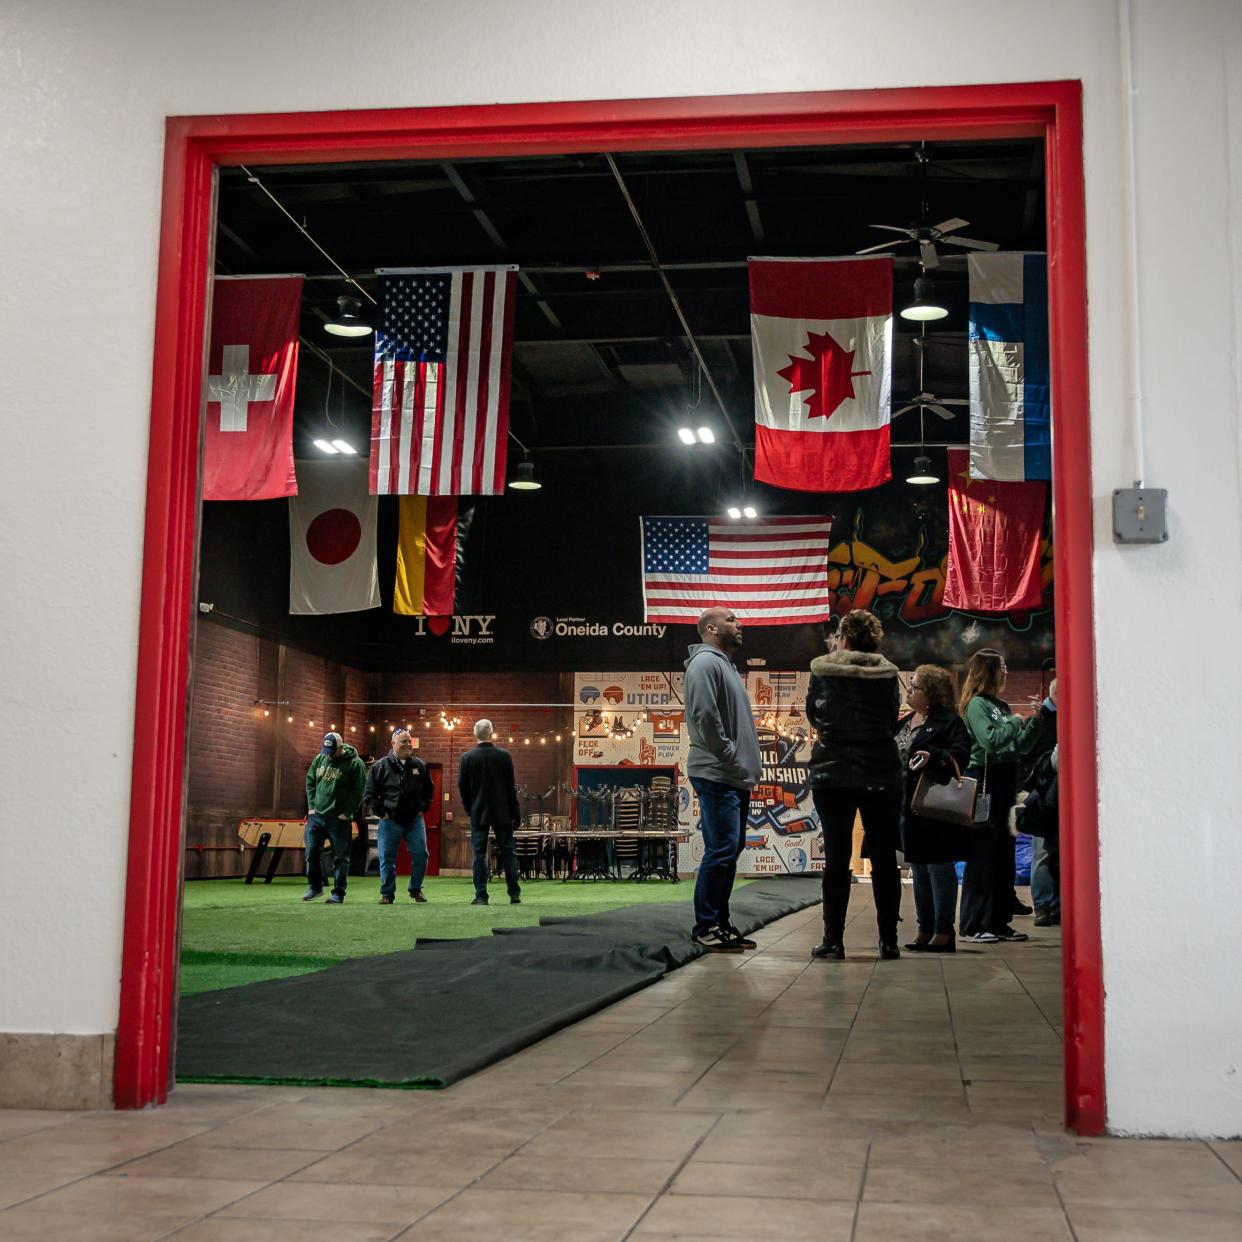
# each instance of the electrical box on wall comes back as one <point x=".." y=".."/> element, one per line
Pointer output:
<point x="1139" y="515"/>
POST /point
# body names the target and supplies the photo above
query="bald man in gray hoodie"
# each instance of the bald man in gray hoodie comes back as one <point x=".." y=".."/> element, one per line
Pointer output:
<point x="723" y="767"/>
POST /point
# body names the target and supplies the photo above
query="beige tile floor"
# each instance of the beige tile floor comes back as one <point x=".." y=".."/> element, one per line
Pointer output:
<point x="765" y="1096"/>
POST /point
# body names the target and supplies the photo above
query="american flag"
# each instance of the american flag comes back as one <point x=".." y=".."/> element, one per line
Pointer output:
<point x="771" y="571"/>
<point x="440" y="406"/>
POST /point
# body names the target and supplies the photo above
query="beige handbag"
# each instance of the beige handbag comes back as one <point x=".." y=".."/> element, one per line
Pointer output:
<point x="953" y="802"/>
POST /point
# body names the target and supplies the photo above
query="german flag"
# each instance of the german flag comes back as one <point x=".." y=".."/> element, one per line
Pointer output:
<point x="436" y="537"/>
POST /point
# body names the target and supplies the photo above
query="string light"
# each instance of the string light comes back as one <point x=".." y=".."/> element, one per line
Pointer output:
<point x="526" y="740"/>
<point x="288" y="719"/>
<point x="558" y="737"/>
<point x="542" y="739"/>
<point x="266" y="712"/>
<point x="312" y="724"/>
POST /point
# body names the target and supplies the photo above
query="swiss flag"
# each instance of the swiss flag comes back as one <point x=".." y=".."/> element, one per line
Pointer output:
<point x="332" y="539"/>
<point x="995" y="531"/>
<point x="251" y="368"/>
<point x="821" y="330"/>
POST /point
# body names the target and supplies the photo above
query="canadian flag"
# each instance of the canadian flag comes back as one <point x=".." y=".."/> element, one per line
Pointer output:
<point x="251" y="368"/>
<point x="822" y="330"/>
<point x="332" y="539"/>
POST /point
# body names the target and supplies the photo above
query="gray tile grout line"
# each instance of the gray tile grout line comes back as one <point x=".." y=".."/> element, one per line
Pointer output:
<point x="471" y="1184"/>
<point x="1221" y="1158"/>
<point x="957" y="1049"/>
<point x="862" y="1187"/>
<point x="120" y="1164"/>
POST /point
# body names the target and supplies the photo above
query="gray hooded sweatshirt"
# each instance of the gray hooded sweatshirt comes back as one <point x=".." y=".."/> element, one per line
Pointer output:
<point x="724" y="746"/>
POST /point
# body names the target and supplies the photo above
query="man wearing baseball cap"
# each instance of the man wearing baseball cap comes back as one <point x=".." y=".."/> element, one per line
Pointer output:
<point x="334" y="784"/>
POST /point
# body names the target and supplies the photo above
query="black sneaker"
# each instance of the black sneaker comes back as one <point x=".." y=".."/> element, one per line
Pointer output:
<point x="1043" y="916"/>
<point x="312" y="894"/>
<point x="717" y="940"/>
<point x="515" y="901"/>
<point x="479" y="901"/>
<point x="1020" y="906"/>
<point x="745" y="941"/>
<point x="1012" y="936"/>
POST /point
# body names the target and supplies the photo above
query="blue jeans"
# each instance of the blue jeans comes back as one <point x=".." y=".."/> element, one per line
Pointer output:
<point x="1045" y="891"/>
<point x="391" y="834"/>
<point x="935" y="897"/>
<point x="722" y="821"/>
<point x="341" y="833"/>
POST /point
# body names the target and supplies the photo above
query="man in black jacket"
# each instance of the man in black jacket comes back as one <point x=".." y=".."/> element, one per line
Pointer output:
<point x="399" y="790"/>
<point x="488" y="792"/>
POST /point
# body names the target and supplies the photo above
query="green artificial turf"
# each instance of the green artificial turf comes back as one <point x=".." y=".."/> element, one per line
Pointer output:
<point x="235" y="933"/>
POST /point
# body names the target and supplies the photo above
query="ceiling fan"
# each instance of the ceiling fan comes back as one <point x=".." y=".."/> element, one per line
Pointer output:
<point x="925" y="400"/>
<point x="925" y="235"/>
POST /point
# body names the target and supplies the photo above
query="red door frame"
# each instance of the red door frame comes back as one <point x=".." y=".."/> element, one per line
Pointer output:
<point x="195" y="146"/>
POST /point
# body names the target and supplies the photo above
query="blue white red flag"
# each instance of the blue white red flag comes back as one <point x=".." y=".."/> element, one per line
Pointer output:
<point x="1010" y="411"/>
<point x="440" y="405"/>
<point x="770" y="571"/>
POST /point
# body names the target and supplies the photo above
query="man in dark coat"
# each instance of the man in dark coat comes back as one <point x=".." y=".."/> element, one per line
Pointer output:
<point x="488" y="792"/>
<point x="399" y="790"/>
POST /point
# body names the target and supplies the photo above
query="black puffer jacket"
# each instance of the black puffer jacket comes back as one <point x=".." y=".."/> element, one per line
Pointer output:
<point x="852" y="703"/>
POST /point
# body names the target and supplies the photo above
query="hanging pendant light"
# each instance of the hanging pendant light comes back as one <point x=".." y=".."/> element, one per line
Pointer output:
<point x="524" y="480"/>
<point x="925" y="306"/>
<point x="347" y="321"/>
<point x="922" y="473"/>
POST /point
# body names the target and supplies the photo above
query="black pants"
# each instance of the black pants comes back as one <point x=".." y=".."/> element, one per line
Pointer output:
<point x="987" y="885"/>
<point x="880" y="809"/>
<point x="506" y="855"/>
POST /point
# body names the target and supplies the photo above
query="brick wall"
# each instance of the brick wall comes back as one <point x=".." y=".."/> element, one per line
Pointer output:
<point x="243" y="764"/>
<point x="538" y="759"/>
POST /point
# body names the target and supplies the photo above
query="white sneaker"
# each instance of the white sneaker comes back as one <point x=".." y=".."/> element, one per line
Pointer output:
<point x="983" y="937"/>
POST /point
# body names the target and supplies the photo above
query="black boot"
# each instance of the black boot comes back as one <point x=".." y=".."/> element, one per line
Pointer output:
<point x="889" y="952"/>
<point x="828" y="947"/>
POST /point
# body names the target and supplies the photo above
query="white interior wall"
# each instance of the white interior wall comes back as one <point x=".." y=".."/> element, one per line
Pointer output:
<point x="84" y="89"/>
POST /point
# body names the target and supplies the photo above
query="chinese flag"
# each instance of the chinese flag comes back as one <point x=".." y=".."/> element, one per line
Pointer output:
<point x="251" y="369"/>
<point x="821" y="331"/>
<point x="994" y="540"/>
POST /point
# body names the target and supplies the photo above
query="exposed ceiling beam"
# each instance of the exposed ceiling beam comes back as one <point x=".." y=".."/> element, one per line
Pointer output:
<point x="672" y="297"/>
<point x="748" y="191"/>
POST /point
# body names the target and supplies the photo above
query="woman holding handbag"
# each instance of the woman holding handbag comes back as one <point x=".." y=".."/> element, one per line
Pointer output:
<point x="998" y="738"/>
<point x="939" y="752"/>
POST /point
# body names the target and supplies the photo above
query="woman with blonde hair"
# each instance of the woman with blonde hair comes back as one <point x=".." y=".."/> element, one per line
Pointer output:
<point x="998" y="738"/>
<point x="852" y="703"/>
<point x="939" y="750"/>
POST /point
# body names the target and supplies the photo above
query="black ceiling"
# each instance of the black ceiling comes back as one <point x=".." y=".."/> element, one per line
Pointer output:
<point x="602" y="359"/>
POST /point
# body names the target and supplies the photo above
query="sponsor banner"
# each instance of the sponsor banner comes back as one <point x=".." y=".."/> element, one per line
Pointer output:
<point x="628" y="719"/>
<point x="581" y="627"/>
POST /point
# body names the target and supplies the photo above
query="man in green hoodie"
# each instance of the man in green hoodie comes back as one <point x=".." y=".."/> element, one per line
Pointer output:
<point x="335" y="781"/>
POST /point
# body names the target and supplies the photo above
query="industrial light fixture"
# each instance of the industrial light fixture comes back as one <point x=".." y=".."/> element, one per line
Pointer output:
<point x="922" y="473"/>
<point x="696" y="435"/>
<point x="347" y="321"/>
<point x="343" y="446"/>
<point x="524" y="480"/>
<point x="326" y="446"/>
<point x="737" y="512"/>
<point x="925" y="306"/>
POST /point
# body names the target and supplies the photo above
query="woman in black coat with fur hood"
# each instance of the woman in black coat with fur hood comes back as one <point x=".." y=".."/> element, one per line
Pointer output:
<point x="852" y="703"/>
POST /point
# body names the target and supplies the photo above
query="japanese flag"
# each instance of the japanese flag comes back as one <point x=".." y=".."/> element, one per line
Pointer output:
<point x="332" y="539"/>
<point x="821" y="330"/>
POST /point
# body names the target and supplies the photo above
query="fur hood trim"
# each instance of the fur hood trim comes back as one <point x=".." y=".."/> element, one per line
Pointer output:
<point x="865" y="664"/>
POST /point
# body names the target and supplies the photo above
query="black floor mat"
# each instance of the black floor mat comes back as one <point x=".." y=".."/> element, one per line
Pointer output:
<point x="433" y="1014"/>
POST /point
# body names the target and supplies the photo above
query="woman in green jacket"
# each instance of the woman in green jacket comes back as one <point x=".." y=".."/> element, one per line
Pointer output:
<point x="998" y="737"/>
